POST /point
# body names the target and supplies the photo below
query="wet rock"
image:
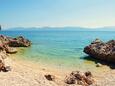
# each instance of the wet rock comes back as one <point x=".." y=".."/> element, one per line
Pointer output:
<point x="101" y="50"/>
<point x="50" y="77"/>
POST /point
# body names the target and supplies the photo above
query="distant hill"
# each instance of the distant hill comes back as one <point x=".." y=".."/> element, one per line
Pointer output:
<point x="112" y="28"/>
<point x="48" y="28"/>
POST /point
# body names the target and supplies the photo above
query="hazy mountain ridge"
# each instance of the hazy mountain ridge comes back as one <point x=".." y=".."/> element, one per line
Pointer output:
<point x="111" y="28"/>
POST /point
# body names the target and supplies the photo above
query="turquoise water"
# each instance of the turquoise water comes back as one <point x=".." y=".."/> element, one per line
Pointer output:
<point x="58" y="47"/>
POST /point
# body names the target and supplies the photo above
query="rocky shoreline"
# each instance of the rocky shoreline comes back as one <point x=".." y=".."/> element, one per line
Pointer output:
<point x="28" y="74"/>
<point x="8" y="46"/>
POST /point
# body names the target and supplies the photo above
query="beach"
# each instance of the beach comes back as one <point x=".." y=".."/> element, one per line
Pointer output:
<point x="26" y="73"/>
<point x="57" y="42"/>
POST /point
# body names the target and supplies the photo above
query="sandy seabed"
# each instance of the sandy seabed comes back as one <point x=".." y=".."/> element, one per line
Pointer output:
<point x="26" y="73"/>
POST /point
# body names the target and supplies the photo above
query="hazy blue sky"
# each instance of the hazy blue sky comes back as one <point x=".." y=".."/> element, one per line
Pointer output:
<point x="30" y="13"/>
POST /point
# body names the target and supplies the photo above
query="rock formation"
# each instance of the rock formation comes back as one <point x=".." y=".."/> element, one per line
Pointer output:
<point x="7" y="45"/>
<point x="19" y="42"/>
<point x="101" y="50"/>
<point x="77" y="77"/>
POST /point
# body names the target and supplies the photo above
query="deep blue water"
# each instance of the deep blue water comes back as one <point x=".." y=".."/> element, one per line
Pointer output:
<point x="58" y="47"/>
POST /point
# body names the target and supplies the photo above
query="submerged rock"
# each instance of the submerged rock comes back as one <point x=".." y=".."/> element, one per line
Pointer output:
<point x="101" y="50"/>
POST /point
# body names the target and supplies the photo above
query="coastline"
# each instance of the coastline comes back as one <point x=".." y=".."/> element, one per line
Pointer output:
<point x="29" y="73"/>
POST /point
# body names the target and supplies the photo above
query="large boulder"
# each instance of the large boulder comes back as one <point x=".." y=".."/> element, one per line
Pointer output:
<point x="8" y="43"/>
<point x="80" y="78"/>
<point x="14" y="42"/>
<point x="101" y="50"/>
<point x="19" y="42"/>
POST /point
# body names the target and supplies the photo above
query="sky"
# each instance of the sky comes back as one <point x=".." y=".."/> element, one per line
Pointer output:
<point x="57" y="13"/>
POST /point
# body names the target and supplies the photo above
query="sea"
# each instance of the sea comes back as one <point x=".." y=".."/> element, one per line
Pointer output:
<point x="59" y="48"/>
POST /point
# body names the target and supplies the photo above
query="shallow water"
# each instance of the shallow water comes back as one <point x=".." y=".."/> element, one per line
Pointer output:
<point x="60" y="48"/>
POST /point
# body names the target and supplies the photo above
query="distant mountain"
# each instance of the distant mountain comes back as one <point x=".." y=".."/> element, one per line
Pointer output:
<point x="21" y="28"/>
<point x="112" y="28"/>
<point x="48" y="28"/>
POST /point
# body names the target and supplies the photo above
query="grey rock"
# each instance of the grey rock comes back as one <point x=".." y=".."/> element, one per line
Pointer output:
<point x="101" y="50"/>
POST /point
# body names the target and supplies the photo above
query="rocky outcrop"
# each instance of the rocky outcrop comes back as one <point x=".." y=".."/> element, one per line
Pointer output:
<point x="14" y="42"/>
<point x="101" y="50"/>
<point x="19" y="42"/>
<point x="7" y="45"/>
<point x="79" y="78"/>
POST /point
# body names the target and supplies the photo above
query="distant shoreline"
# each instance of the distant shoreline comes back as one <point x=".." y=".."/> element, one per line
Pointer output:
<point x="108" y="28"/>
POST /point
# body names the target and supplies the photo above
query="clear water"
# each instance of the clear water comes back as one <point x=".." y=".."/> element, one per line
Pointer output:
<point x="59" y="47"/>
